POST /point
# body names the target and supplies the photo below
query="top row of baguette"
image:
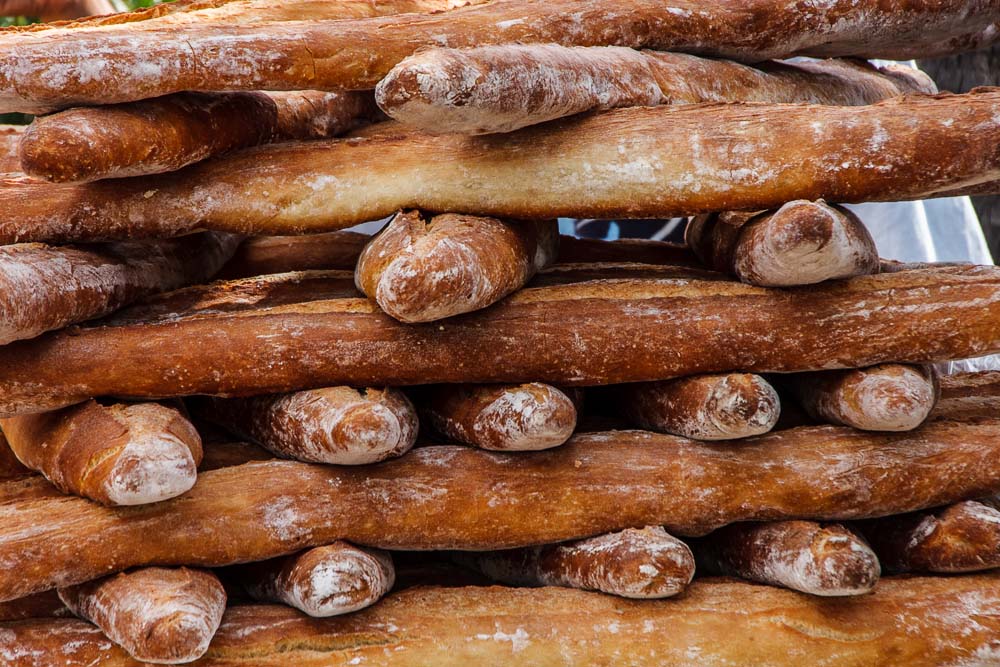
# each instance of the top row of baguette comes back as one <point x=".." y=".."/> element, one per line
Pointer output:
<point x="211" y="45"/>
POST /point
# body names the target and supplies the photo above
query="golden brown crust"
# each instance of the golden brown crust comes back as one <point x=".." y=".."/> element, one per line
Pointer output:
<point x="221" y="339"/>
<point x="145" y="59"/>
<point x="801" y="243"/>
<point x="634" y="563"/>
<point x="336" y="425"/>
<point x="159" y="615"/>
<point x="947" y="621"/>
<point x="452" y="497"/>
<point x="964" y="537"/>
<point x="702" y="407"/>
<point x="501" y="88"/>
<point x="827" y="560"/>
<point x="117" y="454"/>
<point x="643" y="162"/>
<point x="46" y="287"/>
<point x="523" y="417"/>
<point x="888" y="397"/>
<point x="331" y="580"/>
<point x="173" y="131"/>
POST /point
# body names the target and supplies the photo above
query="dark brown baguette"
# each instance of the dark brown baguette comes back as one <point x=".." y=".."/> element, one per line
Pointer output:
<point x="451" y="497"/>
<point x="173" y="131"/>
<point x="46" y="287"/>
<point x="10" y="467"/>
<point x="642" y="162"/>
<point x="948" y="621"/>
<point x="138" y="60"/>
<point x="39" y="605"/>
<point x="262" y="255"/>
<point x="10" y="137"/>
<point x="968" y="396"/>
<point x="221" y="339"/>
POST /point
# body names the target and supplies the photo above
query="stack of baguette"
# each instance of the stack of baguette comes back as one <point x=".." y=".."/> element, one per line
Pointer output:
<point x="468" y="440"/>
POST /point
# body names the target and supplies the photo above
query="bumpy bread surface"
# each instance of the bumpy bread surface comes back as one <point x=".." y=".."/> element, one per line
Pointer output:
<point x="502" y="88"/>
<point x="221" y="339"/>
<point x="159" y="615"/>
<point x="48" y="287"/>
<point x="757" y="624"/>
<point x="145" y="59"/>
<point x="642" y="162"/>
<point x="117" y="454"/>
<point x="452" y="497"/>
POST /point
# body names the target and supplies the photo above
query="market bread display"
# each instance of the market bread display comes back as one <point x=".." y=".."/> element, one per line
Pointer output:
<point x="237" y="430"/>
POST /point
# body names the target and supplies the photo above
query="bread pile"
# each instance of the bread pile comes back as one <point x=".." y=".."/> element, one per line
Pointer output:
<point x="468" y="440"/>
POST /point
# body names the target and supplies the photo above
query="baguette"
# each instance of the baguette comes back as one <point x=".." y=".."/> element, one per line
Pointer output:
<point x="335" y="579"/>
<point x="801" y="243"/>
<point x="10" y="467"/>
<point x="220" y="454"/>
<point x="524" y="417"/>
<point x="459" y="498"/>
<point x="573" y="250"/>
<point x="490" y="89"/>
<point x="116" y="454"/>
<point x="40" y="605"/>
<point x="641" y="162"/>
<point x="10" y="137"/>
<point x="222" y="339"/>
<point x="964" y="537"/>
<point x="45" y="287"/>
<point x="420" y="270"/>
<point x="170" y="132"/>
<point x="338" y="425"/>
<point x="635" y="563"/>
<point x="262" y="255"/>
<point x="701" y="407"/>
<point x="968" y="396"/>
<point x="157" y="615"/>
<point x="889" y="397"/>
<point x="913" y="621"/>
<point x="146" y="59"/>
<point x="825" y="560"/>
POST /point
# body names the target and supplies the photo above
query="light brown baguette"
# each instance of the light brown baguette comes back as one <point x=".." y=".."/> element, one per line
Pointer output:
<point x="10" y="137"/>
<point x="460" y="498"/>
<point x="262" y="255"/>
<point x="642" y="162"/>
<point x="173" y="131"/>
<point x="888" y="397"/>
<point x="337" y="425"/>
<point x="522" y="417"/>
<point x="47" y="287"/>
<point x="801" y="243"/>
<point x="39" y="605"/>
<point x="964" y="537"/>
<point x="826" y="560"/>
<point x="424" y="269"/>
<point x="146" y="59"/>
<point x="487" y="89"/>
<point x="330" y="580"/>
<point x="634" y="563"/>
<point x="158" y="615"/>
<point x="946" y="621"/>
<point x="702" y="407"/>
<point x="116" y="454"/>
<point x="222" y="339"/>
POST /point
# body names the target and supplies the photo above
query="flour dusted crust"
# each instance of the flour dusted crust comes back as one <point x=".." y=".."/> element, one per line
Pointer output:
<point x="453" y="497"/>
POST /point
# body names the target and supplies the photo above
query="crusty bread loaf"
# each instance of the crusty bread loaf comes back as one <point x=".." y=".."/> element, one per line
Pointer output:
<point x="117" y="454"/>
<point x="338" y="425"/>
<point x="801" y="243"/>
<point x="968" y="396"/>
<point x="452" y="497"/>
<point x="261" y="255"/>
<point x="10" y="467"/>
<point x="641" y="162"/>
<point x="636" y="563"/>
<point x="137" y="60"/>
<point x="422" y="270"/>
<point x="47" y="287"/>
<point x="223" y="339"/>
<point x="888" y="397"/>
<point x="170" y="132"/>
<point x="334" y="579"/>
<point x="158" y="615"/>
<point x="702" y="407"/>
<point x="964" y="537"/>
<point x="522" y="417"/>
<point x="947" y="621"/>
<point x="502" y="88"/>
<point x="826" y="560"/>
